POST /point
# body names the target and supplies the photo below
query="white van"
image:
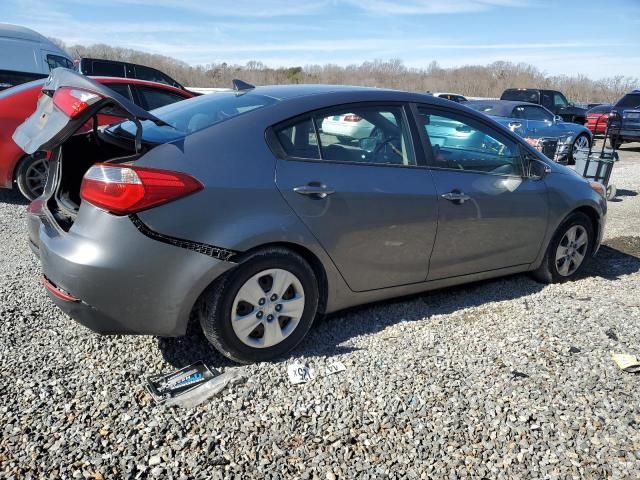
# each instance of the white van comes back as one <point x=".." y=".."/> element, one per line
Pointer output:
<point x="27" y="55"/>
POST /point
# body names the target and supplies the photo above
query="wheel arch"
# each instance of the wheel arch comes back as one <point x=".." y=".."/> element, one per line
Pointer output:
<point x="315" y="263"/>
<point x="305" y="253"/>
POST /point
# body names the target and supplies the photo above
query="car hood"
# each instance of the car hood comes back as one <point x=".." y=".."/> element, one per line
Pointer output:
<point x="48" y="127"/>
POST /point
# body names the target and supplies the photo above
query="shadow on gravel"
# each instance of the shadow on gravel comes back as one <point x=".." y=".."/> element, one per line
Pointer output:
<point x="626" y="193"/>
<point x="618" y="256"/>
<point x="12" y="197"/>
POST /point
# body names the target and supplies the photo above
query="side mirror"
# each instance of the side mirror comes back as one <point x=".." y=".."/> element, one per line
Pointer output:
<point x="538" y="169"/>
<point x="558" y="119"/>
<point x="368" y="144"/>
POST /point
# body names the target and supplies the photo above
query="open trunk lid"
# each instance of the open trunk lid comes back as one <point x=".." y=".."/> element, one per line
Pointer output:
<point x="58" y="117"/>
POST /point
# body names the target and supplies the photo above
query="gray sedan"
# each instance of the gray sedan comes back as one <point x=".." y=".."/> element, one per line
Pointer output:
<point x="238" y="208"/>
<point x="535" y="121"/>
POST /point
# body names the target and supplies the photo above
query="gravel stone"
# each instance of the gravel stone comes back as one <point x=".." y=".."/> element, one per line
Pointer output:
<point x="500" y="379"/>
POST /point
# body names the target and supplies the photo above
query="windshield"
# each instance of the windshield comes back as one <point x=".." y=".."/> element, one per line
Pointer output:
<point x="189" y="116"/>
<point x="532" y="96"/>
<point x="631" y="100"/>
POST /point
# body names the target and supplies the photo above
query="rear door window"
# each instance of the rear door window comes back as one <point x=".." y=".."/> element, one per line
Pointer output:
<point x="152" y="75"/>
<point x="371" y="134"/>
<point x="107" y="69"/>
<point x="157" y="97"/>
<point x="121" y="88"/>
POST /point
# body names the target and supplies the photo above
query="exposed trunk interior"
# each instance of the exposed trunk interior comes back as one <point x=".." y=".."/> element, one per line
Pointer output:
<point x="70" y="164"/>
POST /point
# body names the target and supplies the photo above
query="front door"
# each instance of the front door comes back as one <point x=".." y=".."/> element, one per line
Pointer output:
<point x="490" y="215"/>
<point x="351" y="175"/>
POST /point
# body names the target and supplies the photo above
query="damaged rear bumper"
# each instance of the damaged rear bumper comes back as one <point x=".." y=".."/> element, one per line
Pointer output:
<point x="117" y="280"/>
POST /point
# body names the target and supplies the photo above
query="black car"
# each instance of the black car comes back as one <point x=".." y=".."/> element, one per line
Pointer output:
<point x="114" y="68"/>
<point x="625" y="120"/>
<point x="553" y="100"/>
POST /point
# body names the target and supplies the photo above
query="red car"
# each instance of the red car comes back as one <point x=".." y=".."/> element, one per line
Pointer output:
<point x="29" y="172"/>
<point x="597" y="119"/>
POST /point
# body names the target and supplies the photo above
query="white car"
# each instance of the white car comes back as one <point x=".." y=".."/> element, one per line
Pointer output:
<point x="347" y="127"/>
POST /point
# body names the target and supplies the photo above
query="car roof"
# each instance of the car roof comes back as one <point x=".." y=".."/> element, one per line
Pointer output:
<point x="353" y="93"/>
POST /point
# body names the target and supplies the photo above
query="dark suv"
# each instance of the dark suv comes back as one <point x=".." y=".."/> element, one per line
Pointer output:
<point x="553" y="100"/>
<point x="625" y="120"/>
<point x="114" y="68"/>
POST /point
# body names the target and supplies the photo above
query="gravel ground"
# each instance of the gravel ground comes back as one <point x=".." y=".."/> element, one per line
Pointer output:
<point x="501" y="379"/>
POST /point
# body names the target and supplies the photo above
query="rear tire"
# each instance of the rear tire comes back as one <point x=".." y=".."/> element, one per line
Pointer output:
<point x="31" y="176"/>
<point x="553" y="268"/>
<point x="239" y="317"/>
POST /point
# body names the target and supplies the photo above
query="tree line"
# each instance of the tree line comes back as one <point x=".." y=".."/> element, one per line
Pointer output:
<point x="473" y="80"/>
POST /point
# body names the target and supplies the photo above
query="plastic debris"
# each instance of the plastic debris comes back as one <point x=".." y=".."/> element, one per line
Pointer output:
<point x="208" y="389"/>
<point x="192" y="385"/>
<point x="166" y="386"/>
<point x="299" y="373"/>
<point x="335" y="367"/>
<point x="626" y="363"/>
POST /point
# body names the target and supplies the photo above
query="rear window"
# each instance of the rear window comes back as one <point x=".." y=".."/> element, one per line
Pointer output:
<point x="531" y="96"/>
<point x="600" y="109"/>
<point x="195" y="114"/>
<point x="630" y="100"/>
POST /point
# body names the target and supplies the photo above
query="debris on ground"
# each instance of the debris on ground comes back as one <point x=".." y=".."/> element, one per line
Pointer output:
<point x="626" y="363"/>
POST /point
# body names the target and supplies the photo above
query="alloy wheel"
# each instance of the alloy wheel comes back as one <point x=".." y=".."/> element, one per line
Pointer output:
<point x="572" y="250"/>
<point x="581" y="143"/>
<point x="267" y="308"/>
<point x="36" y="176"/>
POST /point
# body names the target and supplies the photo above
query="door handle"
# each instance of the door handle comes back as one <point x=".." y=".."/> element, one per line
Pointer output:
<point x="456" y="197"/>
<point x="312" y="190"/>
<point x="514" y="125"/>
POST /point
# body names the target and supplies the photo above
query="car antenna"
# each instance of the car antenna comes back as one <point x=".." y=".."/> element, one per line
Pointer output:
<point x="239" y="85"/>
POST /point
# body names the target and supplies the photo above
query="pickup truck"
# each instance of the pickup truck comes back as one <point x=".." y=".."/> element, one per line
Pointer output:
<point x="553" y="100"/>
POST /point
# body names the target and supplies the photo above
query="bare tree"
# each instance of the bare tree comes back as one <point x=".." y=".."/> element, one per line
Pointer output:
<point x="472" y="80"/>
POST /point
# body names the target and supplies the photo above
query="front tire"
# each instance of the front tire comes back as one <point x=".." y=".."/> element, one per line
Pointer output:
<point x="31" y="176"/>
<point x="263" y="308"/>
<point x="568" y="251"/>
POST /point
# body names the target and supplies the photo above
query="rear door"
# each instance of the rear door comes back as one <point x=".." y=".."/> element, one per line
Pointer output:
<point x="370" y="202"/>
<point x="69" y="100"/>
<point x="490" y="215"/>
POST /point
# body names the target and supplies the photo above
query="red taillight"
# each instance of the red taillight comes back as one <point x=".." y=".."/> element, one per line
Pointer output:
<point x="72" y="101"/>
<point x="351" y="117"/>
<point x="126" y="189"/>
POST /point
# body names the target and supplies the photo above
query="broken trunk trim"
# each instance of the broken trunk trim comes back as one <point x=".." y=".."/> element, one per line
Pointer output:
<point x="204" y="248"/>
